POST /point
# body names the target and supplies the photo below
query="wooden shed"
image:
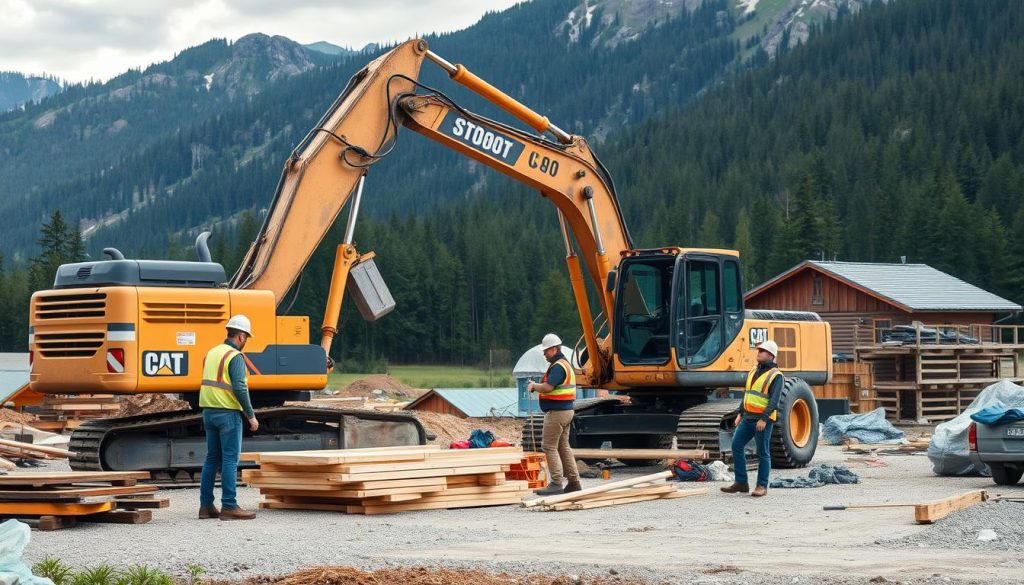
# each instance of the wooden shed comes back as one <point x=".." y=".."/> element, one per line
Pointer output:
<point x="862" y="301"/>
<point x="917" y="341"/>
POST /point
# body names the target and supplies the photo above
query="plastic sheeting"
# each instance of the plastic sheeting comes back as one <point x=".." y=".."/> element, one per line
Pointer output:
<point x="948" y="448"/>
<point x="870" y="427"/>
<point x="818" y="476"/>
<point x="14" y="537"/>
<point x="998" y="415"/>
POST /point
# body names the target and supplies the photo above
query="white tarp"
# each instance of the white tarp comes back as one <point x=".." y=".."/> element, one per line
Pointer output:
<point x="948" y="450"/>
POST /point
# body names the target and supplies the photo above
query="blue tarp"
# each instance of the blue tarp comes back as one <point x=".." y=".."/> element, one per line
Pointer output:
<point x="998" y="414"/>
<point x="870" y="427"/>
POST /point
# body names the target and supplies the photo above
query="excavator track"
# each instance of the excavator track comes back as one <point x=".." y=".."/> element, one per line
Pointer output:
<point x="699" y="426"/>
<point x="171" y="445"/>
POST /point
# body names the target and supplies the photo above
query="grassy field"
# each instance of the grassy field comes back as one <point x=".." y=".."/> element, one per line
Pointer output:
<point x="434" y="377"/>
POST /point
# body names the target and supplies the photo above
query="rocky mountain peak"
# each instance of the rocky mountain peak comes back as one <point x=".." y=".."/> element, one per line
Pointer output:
<point x="257" y="59"/>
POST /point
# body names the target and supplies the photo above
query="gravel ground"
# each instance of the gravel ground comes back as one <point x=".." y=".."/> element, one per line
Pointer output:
<point x="713" y="539"/>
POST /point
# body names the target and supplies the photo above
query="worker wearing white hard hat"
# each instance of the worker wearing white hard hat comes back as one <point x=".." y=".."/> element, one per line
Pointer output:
<point x="556" y="393"/>
<point x="755" y="419"/>
<point x="224" y="398"/>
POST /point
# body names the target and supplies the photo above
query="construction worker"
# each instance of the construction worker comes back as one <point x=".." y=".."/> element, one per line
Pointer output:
<point x="556" y="393"/>
<point x="224" y="398"/>
<point x="755" y="418"/>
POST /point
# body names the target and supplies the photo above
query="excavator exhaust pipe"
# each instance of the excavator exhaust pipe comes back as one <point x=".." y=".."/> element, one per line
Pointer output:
<point x="202" y="248"/>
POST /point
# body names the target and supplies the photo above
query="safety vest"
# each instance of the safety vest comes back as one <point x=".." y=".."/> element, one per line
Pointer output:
<point x="567" y="389"/>
<point x="215" y="390"/>
<point x="755" y="399"/>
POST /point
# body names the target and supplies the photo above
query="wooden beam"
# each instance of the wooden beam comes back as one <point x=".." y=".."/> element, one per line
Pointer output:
<point x="939" y="509"/>
<point x="701" y="454"/>
<point x="597" y="489"/>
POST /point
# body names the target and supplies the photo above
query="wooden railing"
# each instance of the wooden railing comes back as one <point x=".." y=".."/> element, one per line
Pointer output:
<point x="921" y="335"/>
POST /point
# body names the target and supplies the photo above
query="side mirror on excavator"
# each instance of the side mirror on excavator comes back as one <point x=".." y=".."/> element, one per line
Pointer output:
<point x="610" y="284"/>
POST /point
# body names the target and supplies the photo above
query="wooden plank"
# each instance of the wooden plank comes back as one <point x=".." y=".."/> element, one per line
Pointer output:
<point x="386" y="455"/>
<point x="74" y="493"/>
<point x="52" y="508"/>
<point x="139" y="503"/>
<point x="641" y="454"/>
<point x="430" y="463"/>
<point x="932" y="511"/>
<point x="120" y="517"/>
<point x="48" y="523"/>
<point x="355" y="477"/>
<point x="671" y="494"/>
<point x="30" y="448"/>
<point x="73" y="477"/>
<point x="598" y="489"/>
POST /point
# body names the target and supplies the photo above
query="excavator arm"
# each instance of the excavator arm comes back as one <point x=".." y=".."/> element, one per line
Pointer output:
<point x="328" y="167"/>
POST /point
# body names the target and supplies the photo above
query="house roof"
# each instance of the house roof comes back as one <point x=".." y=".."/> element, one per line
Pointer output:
<point x="476" y="402"/>
<point x="911" y="287"/>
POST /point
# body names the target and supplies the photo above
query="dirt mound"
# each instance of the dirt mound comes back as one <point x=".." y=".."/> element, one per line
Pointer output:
<point x="390" y="387"/>
<point x="449" y="427"/>
<point x="21" y="418"/>
<point x="149" y="404"/>
<point x="419" y="576"/>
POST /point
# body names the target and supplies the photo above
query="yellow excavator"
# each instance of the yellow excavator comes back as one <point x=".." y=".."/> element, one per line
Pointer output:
<point x="670" y="327"/>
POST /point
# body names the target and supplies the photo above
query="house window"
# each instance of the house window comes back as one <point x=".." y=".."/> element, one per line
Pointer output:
<point x="817" y="297"/>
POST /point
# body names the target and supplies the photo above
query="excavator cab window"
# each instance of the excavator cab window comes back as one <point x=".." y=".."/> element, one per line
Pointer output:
<point x="709" y="308"/>
<point x="645" y="295"/>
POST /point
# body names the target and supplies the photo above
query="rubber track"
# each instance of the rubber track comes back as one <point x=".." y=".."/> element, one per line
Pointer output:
<point x="699" y="426"/>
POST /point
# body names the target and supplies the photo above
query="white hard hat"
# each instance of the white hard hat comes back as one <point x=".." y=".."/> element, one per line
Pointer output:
<point x="550" y="340"/>
<point x="770" y="346"/>
<point x="241" y="323"/>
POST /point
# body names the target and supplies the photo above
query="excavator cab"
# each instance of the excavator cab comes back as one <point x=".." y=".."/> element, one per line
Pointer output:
<point x="681" y="305"/>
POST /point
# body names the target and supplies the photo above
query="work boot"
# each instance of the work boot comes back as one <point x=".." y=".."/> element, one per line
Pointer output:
<point x="759" y="491"/>
<point x="737" y="488"/>
<point x="207" y="512"/>
<point x="551" y="490"/>
<point x="236" y="514"/>
<point x="573" y="485"/>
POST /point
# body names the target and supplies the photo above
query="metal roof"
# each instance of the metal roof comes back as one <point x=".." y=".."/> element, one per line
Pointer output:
<point x="914" y="287"/>
<point x="477" y="402"/>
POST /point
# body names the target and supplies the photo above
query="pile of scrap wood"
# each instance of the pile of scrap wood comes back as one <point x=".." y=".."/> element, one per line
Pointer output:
<point x="50" y="501"/>
<point x="18" y="450"/>
<point x="638" y="489"/>
<point x="64" y="412"/>
<point x="386" y="480"/>
<point x="917" y="445"/>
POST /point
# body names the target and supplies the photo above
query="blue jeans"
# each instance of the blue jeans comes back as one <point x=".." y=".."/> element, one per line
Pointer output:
<point x="747" y="430"/>
<point x="223" y="448"/>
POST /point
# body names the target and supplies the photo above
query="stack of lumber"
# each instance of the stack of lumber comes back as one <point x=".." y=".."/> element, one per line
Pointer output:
<point x="63" y="412"/>
<point x="18" y="450"/>
<point x="53" y="500"/>
<point x="638" y="489"/>
<point x="386" y="480"/>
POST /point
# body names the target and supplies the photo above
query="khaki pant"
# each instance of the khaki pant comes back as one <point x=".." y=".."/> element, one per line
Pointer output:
<point x="555" y="444"/>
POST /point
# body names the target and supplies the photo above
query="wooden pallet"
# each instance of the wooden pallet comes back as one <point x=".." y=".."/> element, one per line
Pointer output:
<point x="387" y="480"/>
<point x="51" y="501"/>
<point x="637" y="489"/>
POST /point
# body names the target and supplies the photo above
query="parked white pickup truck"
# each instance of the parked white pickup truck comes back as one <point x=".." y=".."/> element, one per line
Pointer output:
<point x="1001" y="447"/>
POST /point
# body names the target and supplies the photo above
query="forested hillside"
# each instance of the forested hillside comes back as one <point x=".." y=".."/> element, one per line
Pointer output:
<point x="896" y="131"/>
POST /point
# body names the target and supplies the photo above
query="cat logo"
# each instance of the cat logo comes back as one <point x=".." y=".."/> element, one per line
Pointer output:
<point x="165" y="363"/>
<point x="758" y="335"/>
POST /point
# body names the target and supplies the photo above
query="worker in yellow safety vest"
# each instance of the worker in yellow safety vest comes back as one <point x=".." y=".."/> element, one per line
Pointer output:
<point x="556" y="393"/>
<point x="224" y="398"/>
<point x="755" y="419"/>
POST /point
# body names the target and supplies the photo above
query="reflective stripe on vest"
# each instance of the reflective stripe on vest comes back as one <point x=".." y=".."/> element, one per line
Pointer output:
<point x="567" y="389"/>
<point x="215" y="390"/>
<point x="755" y="399"/>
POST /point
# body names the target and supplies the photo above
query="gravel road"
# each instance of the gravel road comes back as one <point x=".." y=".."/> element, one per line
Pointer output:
<point x="784" y="538"/>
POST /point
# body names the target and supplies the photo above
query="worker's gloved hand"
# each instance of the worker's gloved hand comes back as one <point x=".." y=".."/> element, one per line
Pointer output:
<point x="530" y="387"/>
<point x="254" y="424"/>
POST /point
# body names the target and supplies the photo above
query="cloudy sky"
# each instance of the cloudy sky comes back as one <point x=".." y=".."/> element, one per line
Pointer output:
<point x="78" y="40"/>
